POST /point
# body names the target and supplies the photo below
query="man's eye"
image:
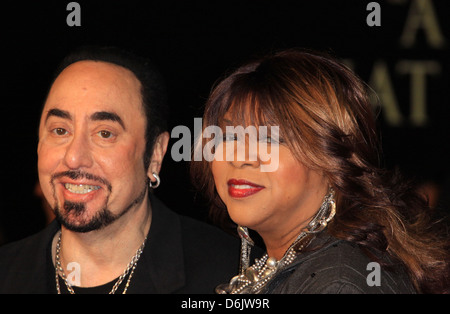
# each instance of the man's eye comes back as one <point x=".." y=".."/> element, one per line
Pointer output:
<point x="60" y="131"/>
<point x="105" y="134"/>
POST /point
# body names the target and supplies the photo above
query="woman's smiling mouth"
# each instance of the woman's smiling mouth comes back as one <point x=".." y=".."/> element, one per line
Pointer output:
<point x="238" y="188"/>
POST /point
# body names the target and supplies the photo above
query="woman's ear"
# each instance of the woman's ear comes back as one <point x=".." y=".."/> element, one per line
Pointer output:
<point x="159" y="150"/>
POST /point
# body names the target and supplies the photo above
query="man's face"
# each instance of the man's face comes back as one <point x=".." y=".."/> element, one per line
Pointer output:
<point x="91" y="145"/>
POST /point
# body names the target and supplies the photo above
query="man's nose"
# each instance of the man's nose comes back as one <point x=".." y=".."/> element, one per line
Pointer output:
<point x="78" y="152"/>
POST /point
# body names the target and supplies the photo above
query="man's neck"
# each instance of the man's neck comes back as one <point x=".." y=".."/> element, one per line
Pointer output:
<point x="104" y="254"/>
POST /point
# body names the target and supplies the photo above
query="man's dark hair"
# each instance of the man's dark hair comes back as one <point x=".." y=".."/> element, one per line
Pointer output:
<point x="153" y="90"/>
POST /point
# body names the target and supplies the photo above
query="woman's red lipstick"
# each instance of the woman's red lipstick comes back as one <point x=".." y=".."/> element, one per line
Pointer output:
<point x="238" y="188"/>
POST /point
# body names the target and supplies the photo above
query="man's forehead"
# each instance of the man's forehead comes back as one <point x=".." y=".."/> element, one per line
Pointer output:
<point x="84" y="66"/>
<point x="97" y="75"/>
<point x="94" y="86"/>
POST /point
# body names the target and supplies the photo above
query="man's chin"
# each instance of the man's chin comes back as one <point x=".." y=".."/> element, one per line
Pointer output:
<point x="79" y="217"/>
<point x="78" y="222"/>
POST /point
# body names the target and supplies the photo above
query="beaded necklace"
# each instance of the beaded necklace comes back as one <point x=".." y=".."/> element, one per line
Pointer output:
<point x="253" y="279"/>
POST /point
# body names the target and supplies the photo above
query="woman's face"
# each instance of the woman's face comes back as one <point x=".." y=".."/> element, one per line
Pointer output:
<point x="270" y="202"/>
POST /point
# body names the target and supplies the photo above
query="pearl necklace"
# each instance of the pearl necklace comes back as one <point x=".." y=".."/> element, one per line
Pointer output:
<point x="59" y="271"/>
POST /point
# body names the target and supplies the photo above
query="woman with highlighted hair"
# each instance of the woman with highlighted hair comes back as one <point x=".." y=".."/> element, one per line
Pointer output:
<point x="331" y="218"/>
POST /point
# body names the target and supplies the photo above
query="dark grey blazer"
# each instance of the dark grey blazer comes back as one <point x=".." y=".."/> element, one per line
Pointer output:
<point x="338" y="267"/>
<point x="181" y="255"/>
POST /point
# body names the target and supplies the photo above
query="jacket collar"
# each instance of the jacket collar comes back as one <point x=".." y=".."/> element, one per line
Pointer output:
<point x="322" y="241"/>
<point x="162" y="266"/>
<point x="40" y="266"/>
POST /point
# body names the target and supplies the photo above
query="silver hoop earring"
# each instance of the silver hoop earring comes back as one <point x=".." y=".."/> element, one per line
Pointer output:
<point x="158" y="181"/>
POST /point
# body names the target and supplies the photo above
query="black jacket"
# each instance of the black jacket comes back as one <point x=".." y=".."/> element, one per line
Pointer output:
<point x="182" y="255"/>
<point x="333" y="266"/>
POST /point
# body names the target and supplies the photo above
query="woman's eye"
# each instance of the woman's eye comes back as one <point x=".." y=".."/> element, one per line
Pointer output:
<point x="60" y="131"/>
<point x="267" y="140"/>
<point x="105" y="134"/>
<point x="272" y="140"/>
<point x="230" y="137"/>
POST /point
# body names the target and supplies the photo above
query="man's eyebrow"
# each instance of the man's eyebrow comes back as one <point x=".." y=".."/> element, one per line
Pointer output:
<point x="58" y="113"/>
<point x="105" y="115"/>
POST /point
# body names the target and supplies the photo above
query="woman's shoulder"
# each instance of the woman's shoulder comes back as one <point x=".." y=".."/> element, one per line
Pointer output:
<point x="337" y="266"/>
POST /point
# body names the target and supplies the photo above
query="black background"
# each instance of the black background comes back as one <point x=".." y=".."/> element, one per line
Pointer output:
<point x="194" y="43"/>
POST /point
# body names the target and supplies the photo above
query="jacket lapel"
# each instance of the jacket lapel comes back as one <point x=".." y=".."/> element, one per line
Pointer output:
<point x="162" y="268"/>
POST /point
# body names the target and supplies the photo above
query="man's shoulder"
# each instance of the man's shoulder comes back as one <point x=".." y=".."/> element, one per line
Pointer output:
<point x="194" y="231"/>
<point x="203" y="239"/>
<point x="201" y="254"/>
<point x="199" y="229"/>
<point x="23" y="263"/>
<point x="26" y="246"/>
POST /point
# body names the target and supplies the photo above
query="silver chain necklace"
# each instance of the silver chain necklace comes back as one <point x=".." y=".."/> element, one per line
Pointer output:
<point x="252" y="279"/>
<point x="59" y="271"/>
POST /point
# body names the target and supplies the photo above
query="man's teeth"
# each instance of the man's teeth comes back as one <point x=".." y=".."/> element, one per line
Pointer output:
<point x="243" y="186"/>
<point x="80" y="188"/>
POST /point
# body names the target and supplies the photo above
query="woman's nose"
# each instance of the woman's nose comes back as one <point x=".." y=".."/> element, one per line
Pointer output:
<point x="245" y="154"/>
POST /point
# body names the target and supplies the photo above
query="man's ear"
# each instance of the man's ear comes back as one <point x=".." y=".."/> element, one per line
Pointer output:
<point x="159" y="150"/>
